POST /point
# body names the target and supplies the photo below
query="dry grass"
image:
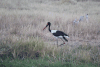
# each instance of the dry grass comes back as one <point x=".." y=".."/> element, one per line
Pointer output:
<point x="26" y="20"/>
<point x="30" y="22"/>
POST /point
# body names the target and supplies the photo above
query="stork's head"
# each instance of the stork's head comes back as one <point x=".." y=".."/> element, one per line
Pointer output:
<point x="47" y="25"/>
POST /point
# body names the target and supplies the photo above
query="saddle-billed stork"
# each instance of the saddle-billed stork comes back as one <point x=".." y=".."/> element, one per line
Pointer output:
<point x="57" y="34"/>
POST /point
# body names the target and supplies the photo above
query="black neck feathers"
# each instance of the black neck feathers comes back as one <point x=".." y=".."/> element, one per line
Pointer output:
<point x="49" y="28"/>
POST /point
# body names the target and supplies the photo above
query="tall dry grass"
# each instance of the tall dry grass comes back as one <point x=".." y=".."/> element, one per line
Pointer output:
<point x="26" y="20"/>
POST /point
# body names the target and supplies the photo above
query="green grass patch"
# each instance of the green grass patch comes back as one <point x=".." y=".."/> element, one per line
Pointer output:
<point x="28" y="49"/>
<point x="34" y="53"/>
<point x="40" y="63"/>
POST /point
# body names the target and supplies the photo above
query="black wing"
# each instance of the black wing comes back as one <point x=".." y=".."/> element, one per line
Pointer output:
<point x="59" y="33"/>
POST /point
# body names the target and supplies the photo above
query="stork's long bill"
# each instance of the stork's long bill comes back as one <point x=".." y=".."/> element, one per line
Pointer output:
<point x="45" y="26"/>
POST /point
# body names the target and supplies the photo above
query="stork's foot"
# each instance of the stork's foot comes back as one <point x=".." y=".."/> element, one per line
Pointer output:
<point x="62" y="44"/>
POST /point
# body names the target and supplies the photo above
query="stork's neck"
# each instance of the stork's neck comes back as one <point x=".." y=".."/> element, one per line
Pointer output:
<point x="49" y="28"/>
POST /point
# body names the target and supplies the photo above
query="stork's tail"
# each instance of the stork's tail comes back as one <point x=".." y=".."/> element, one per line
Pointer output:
<point x="65" y="35"/>
<point x="65" y="39"/>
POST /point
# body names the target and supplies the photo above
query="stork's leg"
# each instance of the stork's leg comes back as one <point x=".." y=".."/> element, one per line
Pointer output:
<point x="63" y="42"/>
<point x="57" y="41"/>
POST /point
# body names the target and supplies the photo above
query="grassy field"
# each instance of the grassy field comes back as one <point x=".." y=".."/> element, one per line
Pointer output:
<point x="22" y="39"/>
<point x="41" y="63"/>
